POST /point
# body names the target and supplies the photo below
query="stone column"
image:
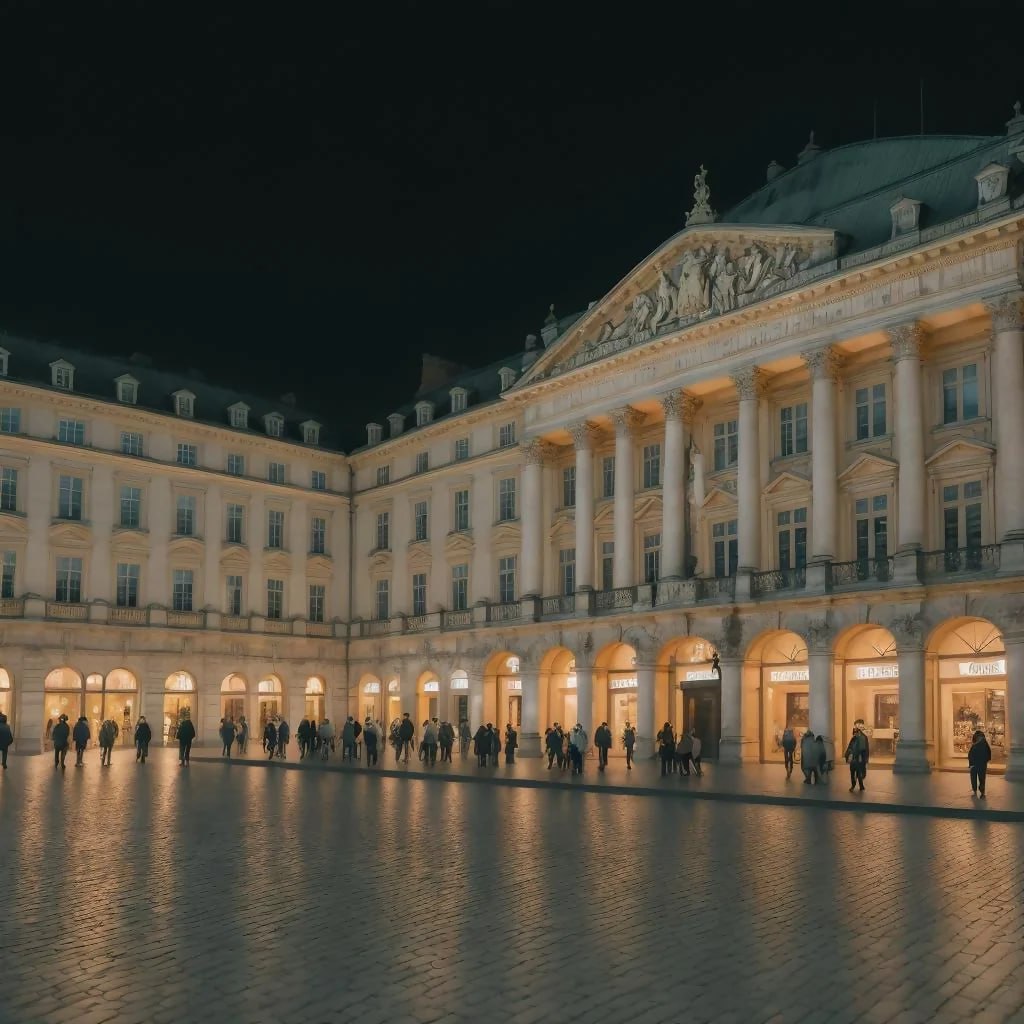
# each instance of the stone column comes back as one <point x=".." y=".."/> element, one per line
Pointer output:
<point x="750" y="385"/>
<point x="820" y="689"/>
<point x="730" y="750"/>
<point x="691" y="456"/>
<point x="909" y="423"/>
<point x="156" y="583"/>
<point x="583" y="438"/>
<point x="297" y="524"/>
<point x="213" y="533"/>
<point x="584" y="699"/>
<point x="532" y="517"/>
<point x="673" y="489"/>
<point x="529" y="735"/>
<point x="646" y="729"/>
<point x="912" y="749"/>
<point x="1015" y="706"/>
<point x="623" y="573"/>
<point x="1008" y="383"/>
<point x="101" y="516"/>
<point x="40" y="509"/>
<point x="823" y="364"/>
<point x="255" y="595"/>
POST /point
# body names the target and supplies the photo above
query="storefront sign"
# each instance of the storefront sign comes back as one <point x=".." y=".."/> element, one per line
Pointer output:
<point x="623" y="684"/>
<point x="432" y="687"/>
<point x="515" y="684"/>
<point x="694" y="675"/>
<point x="789" y="675"/>
<point x="983" y="668"/>
<point x="876" y="672"/>
<point x="371" y="688"/>
<point x="460" y="684"/>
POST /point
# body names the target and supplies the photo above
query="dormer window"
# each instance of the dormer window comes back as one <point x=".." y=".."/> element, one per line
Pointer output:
<point x="396" y="424"/>
<point x="373" y="433"/>
<point x="4" y="356"/>
<point x="273" y="423"/>
<point x="310" y="432"/>
<point x="238" y="414"/>
<point x="127" y="389"/>
<point x="459" y="399"/>
<point x="62" y="375"/>
<point x="424" y="413"/>
<point x="184" y="404"/>
<point x="508" y="377"/>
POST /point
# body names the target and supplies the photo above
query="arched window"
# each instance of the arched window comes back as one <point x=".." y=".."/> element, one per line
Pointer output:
<point x="233" y="684"/>
<point x="460" y="680"/>
<point x="431" y="686"/>
<point x="372" y="687"/>
<point x="180" y="682"/>
<point x="314" y="686"/>
<point x="269" y="684"/>
<point x="393" y="686"/>
<point x="64" y="679"/>
<point x="121" y="679"/>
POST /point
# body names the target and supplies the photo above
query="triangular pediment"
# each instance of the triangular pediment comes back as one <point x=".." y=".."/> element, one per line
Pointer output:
<point x="961" y="452"/>
<point x="717" y="499"/>
<point x="647" y="507"/>
<point x="564" y="524"/>
<point x="419" y="555"/>
<point x="788" y="482"/>
<point x="704" y="271"/>
<point x="868" y="467"/>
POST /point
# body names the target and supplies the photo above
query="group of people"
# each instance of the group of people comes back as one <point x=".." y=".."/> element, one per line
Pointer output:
<point x="568" y="747"/>
<point x="682" y="755"/>
<point x="487" y="745"/>
<point x="63" y="735"/>
<point x="232" y="734"/>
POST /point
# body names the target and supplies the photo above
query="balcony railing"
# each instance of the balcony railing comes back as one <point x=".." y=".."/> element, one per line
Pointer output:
<point x="12" y="608"/>
<point x="374" y="627"/>
<point x="563" y="604"/>
<point x="508" y="612"/>
<point x="186" y="620"/>
<point x="422" y="623"/>
<point x="62" y="610"/>
<point x="716" y="588"/>
<point x="282" y="626"/>
<point x="457" y="620"/>
<point x="777" y="580"/>
<point x="129" y="616"/>
<point x="932" y="565"/>
<point x="235" y="623"/>
<point x="620" y="597"/>
<point x="319" y="629"/>
<point x="864" y="570"/>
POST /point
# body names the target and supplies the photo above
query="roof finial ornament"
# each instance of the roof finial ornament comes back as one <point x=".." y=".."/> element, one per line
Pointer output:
<point x="701" y="212"/>
<point x="1015" y="126"/>
<point x="551" y="318"/>
<point x="810" y="151"/>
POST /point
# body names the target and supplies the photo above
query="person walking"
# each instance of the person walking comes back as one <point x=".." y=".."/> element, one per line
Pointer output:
<point x="857" y="757"/>
<point x="370" y="738"/>
<point x="788" y="749"/>
<point x="348" y="740"/>
<point x="978" y="758"/>
<point x="270" y="738"/>
<point x="809" y="758"/>
<point x="108" y="734"/>
<point x="81" y="735"/>
<point x="446" y="738"/>
<point x="143" y="736"/>
<point x="695" y="754"/>
<point x="603" y="741"/>
<point x="629" y="744"/>
<point x="59" y="738"/>
<point x="511" y="742"/>
<point x="666" y="748"/>
<point x="6" y="739"/>
<point x="227" y="736"/>
<point x="186" y="734"/>
<point x="465" y="737"/>
<point x="821" y="758"/>
<point x="284" y="734"/>
<point x="495" y="745"/>
<point x="482" y="745"/>
<point x="325" y="738"/>
<point x="553" y="745"/>
<point x="577" y="748"/>
<point x="430" y="739"/>
<point x="242" y="735"/>
<point x="406" y="732"/>
<point x="684" y="752"/>
<point x="302" y="735"/>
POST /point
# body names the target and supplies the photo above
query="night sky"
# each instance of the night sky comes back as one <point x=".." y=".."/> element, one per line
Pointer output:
<point x="305" y="202"/>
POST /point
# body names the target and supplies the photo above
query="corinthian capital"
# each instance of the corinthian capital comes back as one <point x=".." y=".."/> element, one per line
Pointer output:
<point x="626" y="419"/>
<point x="907" y="341"/>
<point x="584" y="434"/>
<point x="535" y="452"/>
<point x="750" y="382"/>
<point x="1006" y="313"/>
<point x="823" y="363"/>
<point x="691" y="406"/>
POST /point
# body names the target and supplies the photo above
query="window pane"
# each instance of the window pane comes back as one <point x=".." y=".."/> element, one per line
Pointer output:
<point x="970" y="396"/>
<point x="951" y="528"/>
<point x="972" y="524"/>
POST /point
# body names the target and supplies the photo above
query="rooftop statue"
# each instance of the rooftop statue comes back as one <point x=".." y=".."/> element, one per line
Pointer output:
<point x="701" y="212"/>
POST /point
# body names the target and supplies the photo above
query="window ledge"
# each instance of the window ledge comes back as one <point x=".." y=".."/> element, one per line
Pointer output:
<point x="12" y="512"/>
<point x="863" y="443"/>
<point x="946" y="428"/>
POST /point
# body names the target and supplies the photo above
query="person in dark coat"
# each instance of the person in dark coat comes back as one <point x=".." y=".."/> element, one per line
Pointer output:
<point x="511" y="742"/>
<point x="107" y="737"/>
<point x="406" y="732"/>
<point x="283" y="736"/>
<point x="856" y="756"/>
<point x="978" y="758"/>
<point x="809" y="758"/>
<point x="370" y="737"/>
<point x="81" y="735"/>
<point x="143" y="735"/>
<point x="6" y="739"/>
<point x="666" y="748"/>
<point x="358" y="730"/>
<point x="270" y="738"/>
<point x="348" y="739"/>
<point x="603" y="742"/>
<point x="482" y="745"/>
<point x="553" y="743"/>
<point x="302" y="735"/>
<point x="446" y="738"/>
<point x="788" y="749"/>
<point x="186" y="734"/>
<point x="629" y="743"/>
<point x="495" y="744"/>
<point x="59" y="738"/>
<point x="684" y="753"/>
<point x="227" y="735"/>
<point x="242" y="737"/>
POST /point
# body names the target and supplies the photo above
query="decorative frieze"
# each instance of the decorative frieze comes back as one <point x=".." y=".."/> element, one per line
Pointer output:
<point x="907" y="341"/>
<point x="690" y="407"/>
<point x="535" y="452"/>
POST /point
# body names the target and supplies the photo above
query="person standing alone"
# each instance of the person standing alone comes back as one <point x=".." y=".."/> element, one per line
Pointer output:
<point x="143" y="735"/>
<point x="6" y="739"/>
<point x="603" y="741"/>
<point x="978" y="758"/>
<point x="81" y="736"/>
<point x="186" y="734"/>
<point x="59" y="739"/>
<point x="629" y="742"/>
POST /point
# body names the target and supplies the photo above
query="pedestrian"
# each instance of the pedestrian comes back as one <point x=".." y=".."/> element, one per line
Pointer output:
<point x="482" y="745"/>
<point x="629" y="744"/>
<point x="821" y="758"/>
<point x="348" y="739"/>
<point x="465" y="737"/>
<point x="857" y="757"/>
<point x="666" y="748"/>
<point x="697" y="747"/>
<point x="358" y="730"/>
<point x="108" y="734"/>
<point x="59" y="739"/>
<point x="302" y="735"/>
<point x="553" y="745"/>
<point x="269" y="738"/>
<point x="242" y="737"/>
<point x="808" y="758"/>
<point x="421" y="753"/>
<point x="186" y="734"/>
<point x="602" y="740"/>
<point x="446" y="738"/>
<point x="371" y="736"/>
<point x="684" y="753"/>
<point x="978" y="758"/>
<point x="81" y="735"/>
<point x="284" y="734"/>
<point x="577" y="748"/>
<point x="511" y="743"/>
<point x="430" y="738"/>
<point x="6" y="739"/>
<point x="495" y="745"/>
<point x="406" y="732"/>
<point x="143" y="736"/>
<point x="325" y="738"/>
<point x="788" y="749"/>
<point x="227" y="736"/>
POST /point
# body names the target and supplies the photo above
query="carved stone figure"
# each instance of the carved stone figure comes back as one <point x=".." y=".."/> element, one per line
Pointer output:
<point x="723" y="275"/>
<point x="693" y="295"/>
<point x="701" y="212"/>
<point x="666" y="302"/>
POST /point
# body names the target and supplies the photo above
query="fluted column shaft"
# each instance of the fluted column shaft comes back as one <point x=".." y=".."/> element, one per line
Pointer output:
<point x="623" y="573"/>
<point x="583" y="435"/>
<point x="750" y="385"/>
<point x="1008" y="375"/>
<point x="673" y="496"/>
<point x="909" y="414"/>
<point x="823" y="365"/>
<point x="531" y="517"/>
<point x="912" y="749"/>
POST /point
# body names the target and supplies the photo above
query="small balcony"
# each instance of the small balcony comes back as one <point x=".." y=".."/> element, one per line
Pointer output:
<point x="186" y="620"/>
<point x="863" y="572"/>
<point x="958" y="563"/>
<point x="777" y="581"/>
<point x="612" y="600"/>
<point x="129" y="616"/>
<point x="507" y="612"/>
<point x="563" y="604"/>
<point x="12" y="608"/>
<point x="461" y="619"/>
<point x="716" y="588"/>
<point x="67" y="610"/>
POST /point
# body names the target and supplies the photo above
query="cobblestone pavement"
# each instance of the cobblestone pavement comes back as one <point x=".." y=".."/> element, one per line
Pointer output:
<point x="156" y="893"/>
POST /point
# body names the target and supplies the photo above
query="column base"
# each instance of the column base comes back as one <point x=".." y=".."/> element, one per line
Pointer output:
<point x="817" y="577"/>
<point x="744" y="582"/>
<point x="1011" y="555"/>
<point x="905" y="568"/>
<point x="730" y="750"/>
<point x="529" y="745"/>
<point x="912" y="758"/>
<point x="1015" y="766"/>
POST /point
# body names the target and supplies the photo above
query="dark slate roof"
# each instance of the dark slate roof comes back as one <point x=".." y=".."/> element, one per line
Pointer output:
<point x="850" y="188"/>
<point x="30" y="360"/>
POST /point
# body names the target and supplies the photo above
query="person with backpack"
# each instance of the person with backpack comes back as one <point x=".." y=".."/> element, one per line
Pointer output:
<point x="186" y="734"/>
<point x="81" y="735"/>
<point x="629" y="744"/>
<point x="857" y="757"/>
<point x="143" y="736"/>
<point x="59" y="739"/>
<point x="108" y="736"/>
<point x="406" y="732"/>
<point x="6" y="739"/>
<point x="603" y="742"/>
<point x="978" y="758"/>
<point x="788" y="749"/>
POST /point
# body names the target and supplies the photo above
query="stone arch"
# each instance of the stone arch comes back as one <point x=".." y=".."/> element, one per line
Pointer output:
<point x="7" y="697"/>
<point x="64" y="694"/>
<point x="269" y="693"/>
<point x="234" y="697"/>
<point x="178" y="703"/>
<point x="557" y="687"/>
<point x="867" y="687"/>
<point x="428" y="697"/>
<point x="689" y="675"/>
<point x="502" y="698"/>
<point x="777" y="666"/>
<point x="371" y="698"/>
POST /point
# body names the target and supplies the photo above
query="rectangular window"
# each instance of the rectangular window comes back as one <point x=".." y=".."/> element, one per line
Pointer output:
<point x="792" y="537"/>
<point x="69" y="580"/>
<point x="507" y="435"/>
<point x="275" y="472"/>
<point x="69" y="498"/>
<point x="131" y="443"/>
<point x="871" y="411"/>
<point x="421" y="520"/>
<point x="71" y="432"/>
<point x="383" y="531"/>
<point x="961" y="515"/>
<point x="727" y="444"/>
<point x="607" y="565"/>
<point x="234" y="595"/>
<point x="62" y="377"/>
<point x="181" y="597"/>
<point x="567" y="570"/>
<point x="569" y="487"/>
<point x="185" y="523"/>
<point x="608" y="476"/>
<point x="506" y="499"/>
<point x="422" y="462"/>
<point x="652" y="557"/>
<point x="131" y="507"/>
<point x="871" y="523"/>
<point x="461" y="511"/>
<point x="462" y="449"/>
<point x="793" y="429"/>
<point x="318" y="536"/>
<point x="960" y="393"/>
<point x="419" y="593"/>
<point x="9" y="490"/>
<point x="236" y="465"/>
<point x="127" y="585"/>
<point x="317" y="596"/>
<point x="383" y="608"/>
<point x="10" y="421"/>
<point x="383" y="475"/>
<point x="275" y="599"/>
<point x="507" y="579"/>
<point x="236" y="519"/>
<point x="318" y="480"/>
<point x="7" y="579"/>
<point x="460" y="587"/>
<point x="127" y="391"/>
<point x="652" y="465"/>
<point x="188" y="455"/>
<point x="723" y="539"/>
<point x="275" y="528"/>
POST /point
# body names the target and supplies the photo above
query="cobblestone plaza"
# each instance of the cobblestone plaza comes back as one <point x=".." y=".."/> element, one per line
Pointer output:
<point x="241" y="894"/>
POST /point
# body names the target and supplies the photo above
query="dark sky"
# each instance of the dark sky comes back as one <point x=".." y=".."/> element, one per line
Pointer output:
<point x="307" y="201"/>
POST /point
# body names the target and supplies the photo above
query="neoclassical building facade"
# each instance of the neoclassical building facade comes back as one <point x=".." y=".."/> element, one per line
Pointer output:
<point x="773" y="478"/>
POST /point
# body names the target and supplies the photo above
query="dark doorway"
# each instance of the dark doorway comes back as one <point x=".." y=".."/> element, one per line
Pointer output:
<point x="702" y="710"/>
